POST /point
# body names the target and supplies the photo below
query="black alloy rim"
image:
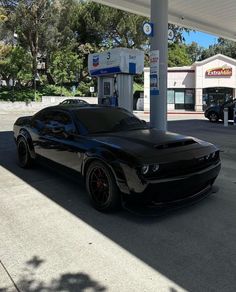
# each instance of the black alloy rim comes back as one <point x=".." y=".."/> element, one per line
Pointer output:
<point x="213" y="117"/>
<point x="22" y="152"/>
<point x="99" y="186"/>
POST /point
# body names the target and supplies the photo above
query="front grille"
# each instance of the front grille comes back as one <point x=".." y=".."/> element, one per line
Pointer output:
<point x="186" y="167"/>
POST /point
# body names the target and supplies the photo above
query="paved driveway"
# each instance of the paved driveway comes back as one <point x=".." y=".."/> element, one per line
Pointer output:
<point x="52" y="240"/>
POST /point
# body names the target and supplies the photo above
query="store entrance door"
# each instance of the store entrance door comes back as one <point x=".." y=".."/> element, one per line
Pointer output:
<point x="216" y="95"/>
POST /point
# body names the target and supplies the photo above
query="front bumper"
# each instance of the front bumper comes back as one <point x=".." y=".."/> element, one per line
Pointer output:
<point x="160" y="209"/>
<point x="174" y="191"/>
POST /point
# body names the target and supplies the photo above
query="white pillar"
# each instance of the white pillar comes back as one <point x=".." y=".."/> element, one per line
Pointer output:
<point x="125" y="91"/>
<point x="198" y="100"/>
<point x="159" y="41"/>
<point x="100" y="89"/>
<point x="234" y="93"/>
<point x="146" y="89"/>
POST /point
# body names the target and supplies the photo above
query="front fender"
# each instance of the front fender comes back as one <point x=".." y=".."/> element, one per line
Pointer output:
<point x="111" y="161"/>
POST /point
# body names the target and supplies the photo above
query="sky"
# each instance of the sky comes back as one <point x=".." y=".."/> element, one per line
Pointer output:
<point x="201" y="38"/>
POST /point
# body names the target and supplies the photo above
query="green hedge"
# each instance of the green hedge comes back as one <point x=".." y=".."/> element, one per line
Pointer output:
<point x="27" y="94"/>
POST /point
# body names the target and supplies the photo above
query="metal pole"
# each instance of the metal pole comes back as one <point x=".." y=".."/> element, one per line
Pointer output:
<point x="226" y="117"/>
<point x="34" y="88"/>
<point x="159" y="41"/>
<point x="234" y="114"/>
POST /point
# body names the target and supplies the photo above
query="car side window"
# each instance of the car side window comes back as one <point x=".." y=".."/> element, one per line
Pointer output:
<point x="41" y="119"/>
<point x="55" y="123"/>
<point x="60" y="125"/>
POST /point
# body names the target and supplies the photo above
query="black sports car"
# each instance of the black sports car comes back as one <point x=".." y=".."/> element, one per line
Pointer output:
<point x="216" y="112"/>
<point x="119" y="156"/>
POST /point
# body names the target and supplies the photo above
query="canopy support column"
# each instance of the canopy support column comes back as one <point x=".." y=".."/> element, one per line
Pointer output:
<point x="159" y="41"/>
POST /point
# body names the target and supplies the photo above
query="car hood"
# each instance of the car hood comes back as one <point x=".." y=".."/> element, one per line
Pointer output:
<point x="149" y="143"/>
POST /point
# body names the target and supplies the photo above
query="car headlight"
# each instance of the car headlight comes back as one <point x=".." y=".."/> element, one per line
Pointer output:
<point x="155" y="167"/>
<point x="145" y="169"/>
<point x="208" y="156"/>
<point x="150" y="168"/>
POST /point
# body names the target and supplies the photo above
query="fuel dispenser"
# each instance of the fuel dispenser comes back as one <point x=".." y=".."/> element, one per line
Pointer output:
<point x="115" y="70"/>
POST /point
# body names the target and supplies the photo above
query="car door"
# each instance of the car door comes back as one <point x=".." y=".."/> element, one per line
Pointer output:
<point x="59" y="140"/>
<point x="65" y="148"/>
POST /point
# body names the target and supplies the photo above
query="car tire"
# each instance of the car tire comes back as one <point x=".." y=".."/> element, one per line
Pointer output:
<point x="213" y="117"/>
<point x="102" y="189"/>
<point x="24" y="158"/>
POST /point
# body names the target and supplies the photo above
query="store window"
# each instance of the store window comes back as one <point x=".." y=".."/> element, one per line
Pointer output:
<point x="181" y="98"/>
<point x="170" y="96"/>
<point x="189" y="99"/>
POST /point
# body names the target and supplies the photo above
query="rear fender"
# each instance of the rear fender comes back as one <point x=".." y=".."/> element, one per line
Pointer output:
<point x="25" y="134"/>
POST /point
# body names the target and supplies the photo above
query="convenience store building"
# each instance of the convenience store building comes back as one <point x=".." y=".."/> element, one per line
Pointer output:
<point x="212" y="80"/>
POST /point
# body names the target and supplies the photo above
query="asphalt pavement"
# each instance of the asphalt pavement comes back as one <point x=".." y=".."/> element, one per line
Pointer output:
<point x="51" y="239"/>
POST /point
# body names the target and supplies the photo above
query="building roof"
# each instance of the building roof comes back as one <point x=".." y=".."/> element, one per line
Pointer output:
<point x="217" y="56"/>
<point x="213" y="16"/>
<point x="183" y="68"/>
<point x="176" y="69"/>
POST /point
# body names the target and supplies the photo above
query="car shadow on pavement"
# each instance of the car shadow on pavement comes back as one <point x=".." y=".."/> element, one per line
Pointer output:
<point x="68" y="282"/>
<point x="189" y="246"/>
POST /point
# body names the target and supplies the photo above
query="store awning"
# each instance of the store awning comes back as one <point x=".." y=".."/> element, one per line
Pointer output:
<point x="216" y="17"/>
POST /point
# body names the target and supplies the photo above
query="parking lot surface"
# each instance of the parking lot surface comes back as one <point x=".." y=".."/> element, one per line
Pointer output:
<point x="53" y="240"/>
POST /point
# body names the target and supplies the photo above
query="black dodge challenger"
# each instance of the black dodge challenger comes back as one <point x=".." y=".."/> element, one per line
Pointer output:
<point x="120" y="158"/>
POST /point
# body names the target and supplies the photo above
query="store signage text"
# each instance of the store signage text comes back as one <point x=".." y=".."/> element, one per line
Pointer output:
<point x="224" y="71"/>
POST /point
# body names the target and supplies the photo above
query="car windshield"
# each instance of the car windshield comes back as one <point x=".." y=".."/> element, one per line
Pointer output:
<point x="100" y="120"/>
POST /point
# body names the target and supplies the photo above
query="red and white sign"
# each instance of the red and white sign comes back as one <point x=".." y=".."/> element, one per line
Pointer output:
<point x="224" y="71"/>
<point x="154" y="72"/>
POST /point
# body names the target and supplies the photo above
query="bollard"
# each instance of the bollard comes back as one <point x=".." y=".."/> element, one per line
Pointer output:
<point x="226" y="122"/>
<point x="235" y="115"/>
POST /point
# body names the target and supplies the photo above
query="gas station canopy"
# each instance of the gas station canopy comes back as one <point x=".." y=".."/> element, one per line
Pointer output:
<point x="216" y="17"/>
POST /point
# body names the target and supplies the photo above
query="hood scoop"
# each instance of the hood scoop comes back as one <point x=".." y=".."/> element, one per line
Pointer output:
<point x="175" y="144"/>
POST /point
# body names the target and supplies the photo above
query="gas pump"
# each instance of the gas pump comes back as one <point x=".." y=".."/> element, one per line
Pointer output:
<point x="115" y="70"/>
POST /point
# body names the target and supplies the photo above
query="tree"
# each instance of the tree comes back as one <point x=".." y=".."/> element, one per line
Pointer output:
<point x="31" y="20"/>
<point x="106" y="27"/>
<point x="178" y="55"/>
<point x="47" y="28"/>
<point x="194" y="51"/>
<point x="15" y="64"/>
<point x="109" y="27"/>
<point x="223" y="46"/>
<point x="65" y="66"/>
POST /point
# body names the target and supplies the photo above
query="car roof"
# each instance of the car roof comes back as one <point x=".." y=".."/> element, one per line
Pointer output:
<point x="73" y="99"/>
<point x="74" y="107"/>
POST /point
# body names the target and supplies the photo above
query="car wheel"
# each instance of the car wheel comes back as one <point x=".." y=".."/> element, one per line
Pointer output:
<point x="24" y="158"/>
<point x="102" y="189"/>
<point x="213" y="117"/>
